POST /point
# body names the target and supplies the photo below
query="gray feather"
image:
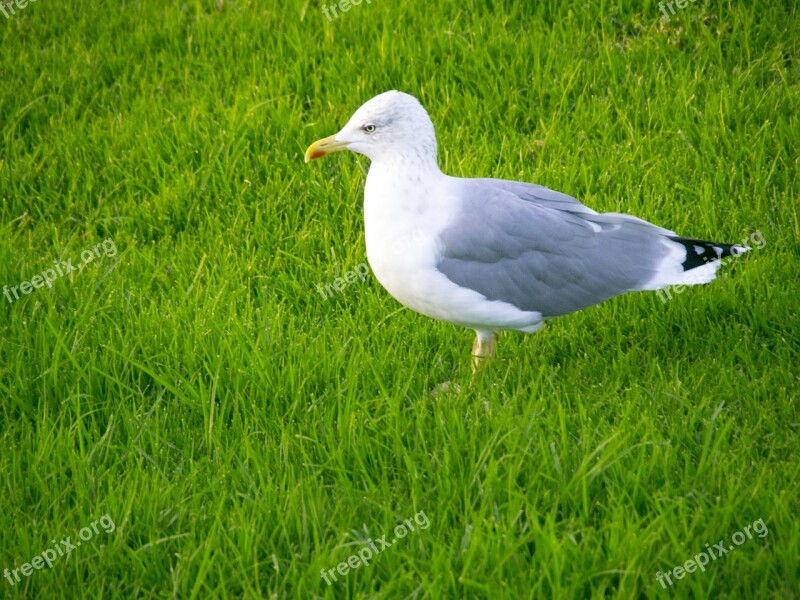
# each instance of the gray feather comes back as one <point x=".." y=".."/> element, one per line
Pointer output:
<point x="543" y="251"/>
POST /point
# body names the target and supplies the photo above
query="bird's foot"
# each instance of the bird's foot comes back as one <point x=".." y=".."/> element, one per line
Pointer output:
<point x="445" y="388"/>
<point x="482" y="355"/>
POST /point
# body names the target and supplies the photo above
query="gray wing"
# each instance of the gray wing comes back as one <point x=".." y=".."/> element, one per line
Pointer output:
<point x="533" y="193"/>
<point x="544" y="251"/>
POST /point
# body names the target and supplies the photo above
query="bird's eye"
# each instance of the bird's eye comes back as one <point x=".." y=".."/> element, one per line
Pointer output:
<point x="368" y="128"/>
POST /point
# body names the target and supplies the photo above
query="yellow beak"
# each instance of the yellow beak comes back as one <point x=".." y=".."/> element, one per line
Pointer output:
<point x="324" y="146"/>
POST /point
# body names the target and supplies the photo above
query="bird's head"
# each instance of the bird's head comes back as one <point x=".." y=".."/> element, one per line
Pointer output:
<point x="390" y="126"/>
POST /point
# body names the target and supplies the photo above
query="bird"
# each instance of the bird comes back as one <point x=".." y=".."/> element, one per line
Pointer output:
<point x="496" y="255"/>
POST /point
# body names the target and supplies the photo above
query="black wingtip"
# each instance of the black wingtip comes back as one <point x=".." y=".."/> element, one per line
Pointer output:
<point x="701" y="252"/>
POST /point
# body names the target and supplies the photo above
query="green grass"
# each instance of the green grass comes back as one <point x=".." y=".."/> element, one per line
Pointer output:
<point x="244" y="433"/>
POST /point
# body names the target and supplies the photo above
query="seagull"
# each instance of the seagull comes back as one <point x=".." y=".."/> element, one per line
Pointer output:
<point x="492" y="254"/>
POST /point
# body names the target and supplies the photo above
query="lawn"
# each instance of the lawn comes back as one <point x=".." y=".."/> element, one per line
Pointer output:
<point x="180" y="398"/>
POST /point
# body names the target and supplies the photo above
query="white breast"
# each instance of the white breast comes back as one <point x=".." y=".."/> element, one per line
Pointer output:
<point x="403" y="218"/>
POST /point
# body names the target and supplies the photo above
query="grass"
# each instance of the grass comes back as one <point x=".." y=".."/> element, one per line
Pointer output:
<point x="244" y="433"/>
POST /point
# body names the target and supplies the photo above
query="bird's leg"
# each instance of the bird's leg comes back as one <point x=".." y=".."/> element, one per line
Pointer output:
<point x="482" y="351"/>
<point x="482" y="355"/>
